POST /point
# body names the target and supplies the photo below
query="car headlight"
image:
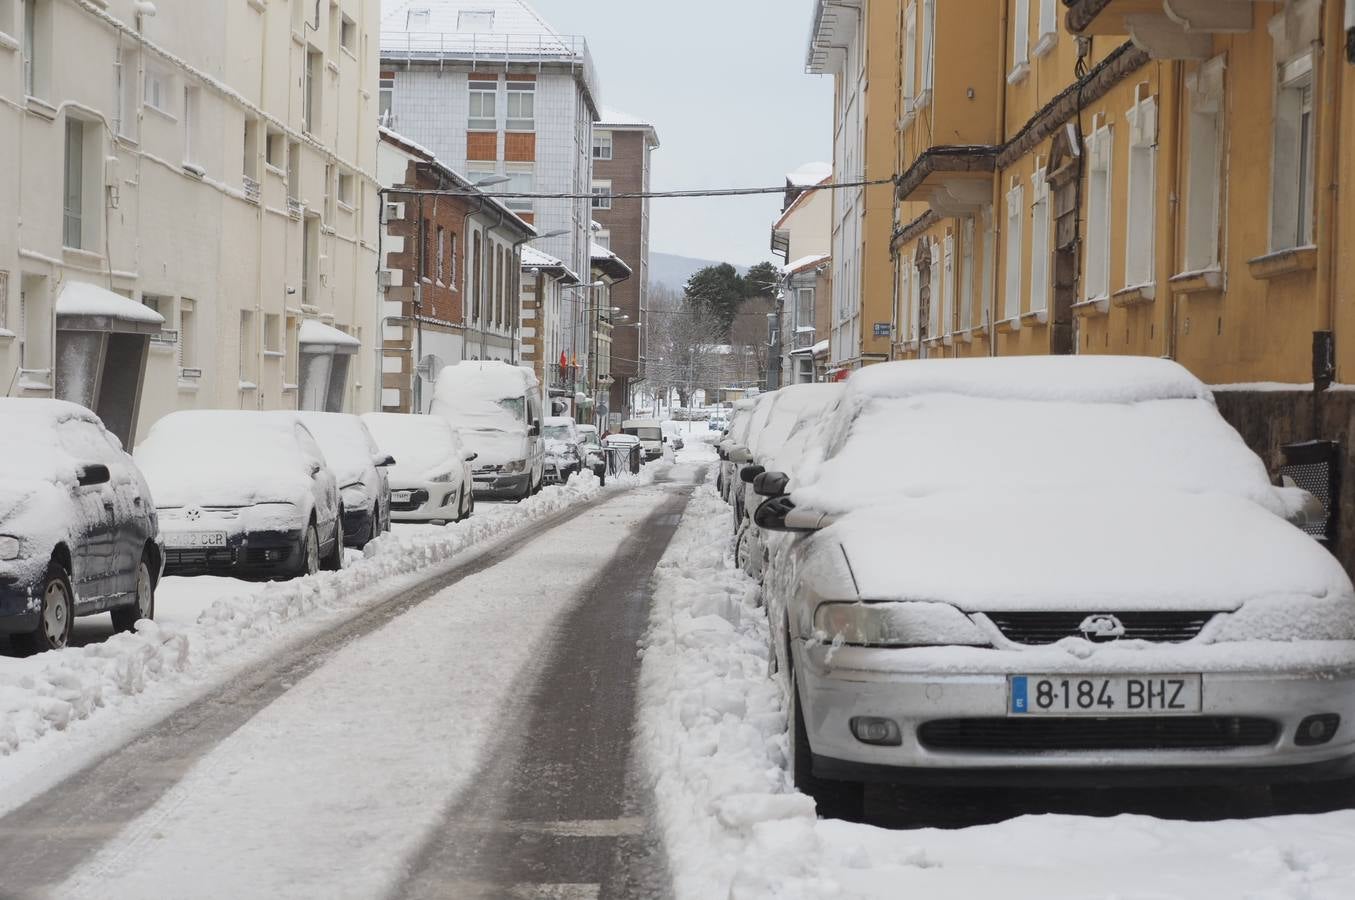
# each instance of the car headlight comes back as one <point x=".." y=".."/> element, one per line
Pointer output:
<point x="515" y="467"/>
<point x="906" y="623"/>
<point x="10" y="547"/>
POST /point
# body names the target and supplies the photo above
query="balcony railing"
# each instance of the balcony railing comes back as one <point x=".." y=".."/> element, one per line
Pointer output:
<point x="434" y="46"/>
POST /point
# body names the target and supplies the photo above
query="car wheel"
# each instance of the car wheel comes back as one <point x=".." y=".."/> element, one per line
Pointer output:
<point x="334" y="561"/>
<point x="834" y="799"/>
<point x="58" y="612"/>
<point x="741" y="547"/>
<point x="310" y="552"/>
<point x="126" y="617"/>
<point x="470" y="503"/>
<point x="377" y="529"/>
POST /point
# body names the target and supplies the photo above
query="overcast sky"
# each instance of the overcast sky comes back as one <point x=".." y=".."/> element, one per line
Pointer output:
<point x="724" y="83"/>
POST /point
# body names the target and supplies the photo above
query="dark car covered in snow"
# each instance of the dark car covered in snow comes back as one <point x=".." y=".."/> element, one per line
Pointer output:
<point x="78" y="531"/>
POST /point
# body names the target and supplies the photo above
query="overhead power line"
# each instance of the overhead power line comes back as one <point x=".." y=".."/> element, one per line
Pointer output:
<point x="629" y="195"/>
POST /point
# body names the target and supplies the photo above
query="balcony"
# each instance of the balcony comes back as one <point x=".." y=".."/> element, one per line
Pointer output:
<point x="953" y="181"/>
<point x="1166" y="29"/>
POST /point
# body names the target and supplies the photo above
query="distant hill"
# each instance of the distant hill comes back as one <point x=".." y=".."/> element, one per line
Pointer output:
<point x="673" y="271"/>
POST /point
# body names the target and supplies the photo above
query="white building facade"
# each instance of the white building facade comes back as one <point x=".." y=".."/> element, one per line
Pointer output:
<point x="494" y="92"/>
<point x="214" y="162"/>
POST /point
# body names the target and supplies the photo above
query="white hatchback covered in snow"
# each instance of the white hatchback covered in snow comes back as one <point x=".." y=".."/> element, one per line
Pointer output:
<point x="431" y="479"/>
<point x="1068" y="570"/>
<point x="248" y="494"/>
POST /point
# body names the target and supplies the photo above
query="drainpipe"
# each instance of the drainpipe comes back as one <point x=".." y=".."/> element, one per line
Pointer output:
<point x="1168" y="144"/>
<point x="1000" y="138"/>
<point x="1328" y="155"/>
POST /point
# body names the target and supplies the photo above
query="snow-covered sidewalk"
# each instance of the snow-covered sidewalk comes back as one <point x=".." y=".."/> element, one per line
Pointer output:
<point x="61" y="710"/>
<point x="713" y="735"/>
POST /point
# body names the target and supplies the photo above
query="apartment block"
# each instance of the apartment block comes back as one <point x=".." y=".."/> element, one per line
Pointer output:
<point x="622" y="145"/>
<point x="191" y="194"/>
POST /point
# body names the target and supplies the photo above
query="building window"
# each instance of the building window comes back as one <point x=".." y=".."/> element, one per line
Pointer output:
<point x="602" y="145"/>
<point x="602" y="194"/>
<point x="451" y="260"/>
<point x="1140" y="223"/>
<point x="128" y="91"/>
<point x="188" y="336"/>
<point x="521" y="180"/>
<point x="948" y="286"/>
<point x="989" y="274"/>
<point x="294" y="175"/>
<point x="36" y="45"/>
<point x="909" y="57"/>
<point x="1020" y="42"/>
<point x="272" y="333"/>
<point x="1049" y="27"/>
<point x="248" y="352"/>
<point x="1098" y="213"/>
<point x="934" y="292"/>
<point x="1204" y="165"/>
<point x="82" y="189"/>
<point x="314" y="92"/>
<point x="928" y="59"/>
<point x="804" y="308"/>
<point x="521" y="106"/>
<point x="967" y="274"/>
<point x="386" y="99"/>
<point x="1292" y="187"/>
<point x="249" y="158"/>
<point x="348" y="34"/>
<point x="155" y="90"/>
<point x="477" y="278"/>
<point x="484" y="94"/>
<point x="275" y="150"/>
<point x="1016" y="214"/>
<point x="603" y="238"/>
<point x="417" y="19"/>
<point x="346" y="195"/>
<point x="477" y="21"/>
<point x="905" y="297"/>
<point x="1039" y="241"/>
<point x="310" y="261"/>
<point x="190" y="123"/>
<point x="442" y="258"/>
<point x="4" y="299"/>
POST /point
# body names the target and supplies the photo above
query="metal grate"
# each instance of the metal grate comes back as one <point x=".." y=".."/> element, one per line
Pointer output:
<point x="1050" y="627"/>
<point x="1130" y="733"/>
<point x="199" y="558"/>
<point x="1312" y="465"/>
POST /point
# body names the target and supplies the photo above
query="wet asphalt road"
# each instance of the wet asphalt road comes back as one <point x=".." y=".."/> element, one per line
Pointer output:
<point x="558" y="813"/>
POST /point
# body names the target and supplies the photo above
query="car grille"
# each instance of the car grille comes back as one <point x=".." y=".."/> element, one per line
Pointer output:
<point x="1050" y="627"/>
<point x="416" y="500"/>
<point x="223" y="557"/>
<point x="1130" y="733"/>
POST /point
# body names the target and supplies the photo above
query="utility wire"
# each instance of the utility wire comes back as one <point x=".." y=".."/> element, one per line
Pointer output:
<point x="632" y="195"/>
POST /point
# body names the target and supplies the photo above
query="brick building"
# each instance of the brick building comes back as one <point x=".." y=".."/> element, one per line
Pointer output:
<point x="452" y="267"/>
<point x="622" y="145"/>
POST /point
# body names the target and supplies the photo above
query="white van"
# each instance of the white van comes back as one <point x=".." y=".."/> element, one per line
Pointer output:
<point x="497" y="409"/>
<point x="650" y="433"/>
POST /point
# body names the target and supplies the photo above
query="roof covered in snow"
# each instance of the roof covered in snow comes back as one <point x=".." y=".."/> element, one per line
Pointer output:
<point x="615" y="120"/>
<point x="533" y="258"/>
<point x="810" y="174"/>
<point x="317" y="333"/>
<point x="805" y="262"/>
<point x="80" y="298"/>
<point x="609" y="263"/>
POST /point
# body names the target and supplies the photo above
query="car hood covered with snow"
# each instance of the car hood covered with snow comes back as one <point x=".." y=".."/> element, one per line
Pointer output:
<point x="1098" y="552"/>
<point x="39" y="513"/>
<point x="495" y="447"/>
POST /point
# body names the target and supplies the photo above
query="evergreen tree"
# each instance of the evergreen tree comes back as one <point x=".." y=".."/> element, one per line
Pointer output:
<point x="718" y="292"/>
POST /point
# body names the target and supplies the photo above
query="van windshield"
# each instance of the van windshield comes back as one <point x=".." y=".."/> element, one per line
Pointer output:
<point x="645" y="433"/>
<point x="515" y="405"/>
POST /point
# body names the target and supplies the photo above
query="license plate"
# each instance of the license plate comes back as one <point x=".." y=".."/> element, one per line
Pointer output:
<point x="185" y="539"/>
<point x="1100" y="695"/>
<point x="401" y="496"/>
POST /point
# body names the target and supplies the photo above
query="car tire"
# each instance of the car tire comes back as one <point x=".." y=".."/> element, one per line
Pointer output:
<point x="143" y="607"/>
<point x="310" y="552"/>
<point x="57" y="614"/>
<point x="333" y="562"/>
<point x="835" y="799"/>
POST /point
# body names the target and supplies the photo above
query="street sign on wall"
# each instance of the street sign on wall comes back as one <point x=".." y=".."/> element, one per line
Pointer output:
<point x="882" y="329"/>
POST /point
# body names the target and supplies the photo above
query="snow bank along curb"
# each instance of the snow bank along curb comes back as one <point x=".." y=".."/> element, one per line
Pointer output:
<point x="76" y="683"/>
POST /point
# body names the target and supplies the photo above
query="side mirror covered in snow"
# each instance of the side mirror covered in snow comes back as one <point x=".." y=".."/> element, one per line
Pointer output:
<point x="740" y="455"/>
<point x="92" y="474"/>
<point x="771" y="484"/>
<point x="471" y="456"/>
<point x="750" y="473"/>
<point x="780" y="514"/>
<point x="383" y="460"/>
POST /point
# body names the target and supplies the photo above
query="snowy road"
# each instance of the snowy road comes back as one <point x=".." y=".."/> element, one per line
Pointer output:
<point x="480" y="717"/>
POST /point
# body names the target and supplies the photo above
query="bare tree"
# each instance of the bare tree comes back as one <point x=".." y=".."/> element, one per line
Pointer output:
<point x="685" y="345"/>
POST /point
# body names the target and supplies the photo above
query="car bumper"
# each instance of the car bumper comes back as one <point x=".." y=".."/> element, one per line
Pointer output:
<point x="558" y="471"/>
<point x="359" y="527"/>
<point x="257" y="554"/>
<point x="837" y="686"/>
<point x="502" y="487"/>
<point x="19" y="609"/>
<point x="436" y="503"/>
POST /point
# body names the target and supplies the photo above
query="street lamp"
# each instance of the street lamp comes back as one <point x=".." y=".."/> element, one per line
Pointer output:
<point x="491" y="180"/>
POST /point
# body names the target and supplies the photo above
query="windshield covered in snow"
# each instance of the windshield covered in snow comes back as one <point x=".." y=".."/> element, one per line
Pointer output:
<point x="420" y="444"/>
<point x="347" y="446"/>
<point x="557" y="432"/>
<point x="644" y="432"/>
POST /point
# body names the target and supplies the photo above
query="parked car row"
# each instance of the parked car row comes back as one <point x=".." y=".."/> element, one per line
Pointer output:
<point x="1038" y="572"/>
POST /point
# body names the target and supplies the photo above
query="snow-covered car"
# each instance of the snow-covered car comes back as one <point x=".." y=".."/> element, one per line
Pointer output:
<point x="591" y="444"/>
<point x="793" y="411"/>
<point x="246" y="494"/>
<point x="496" y="410"/>
<point x="78" y="531"/>
<point x="360" y="467"/>
<point x="1061" y="570"/>
<point x="735" y="435"/>
<point x="736" y="452"/>
<point x="564" y="448"/>
<point x="431" y="480"/>
<point x="650" y="433"/>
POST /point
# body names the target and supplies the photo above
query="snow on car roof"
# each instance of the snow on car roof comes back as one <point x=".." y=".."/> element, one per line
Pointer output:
<point x="29" y="445"/>
<point x="792" y="405"/>
<point x="420" y="444"/>
<point x="556" y="421"/>
<point x="346" y="442"/>
<point x="1088" y="379"/>
<point x="224" y="458"/>
<point x="467" y="395"/>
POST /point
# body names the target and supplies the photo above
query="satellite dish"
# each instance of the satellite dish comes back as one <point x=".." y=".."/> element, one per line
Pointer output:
<point x="429" y="367"/>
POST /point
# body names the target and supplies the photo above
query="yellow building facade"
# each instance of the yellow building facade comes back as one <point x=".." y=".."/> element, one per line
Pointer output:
<point x="1152" y="177"/>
